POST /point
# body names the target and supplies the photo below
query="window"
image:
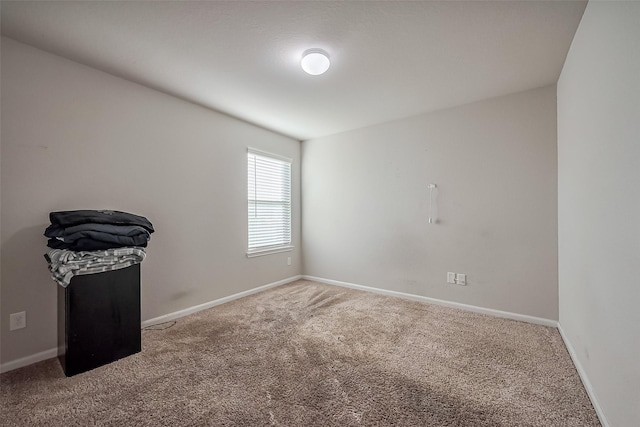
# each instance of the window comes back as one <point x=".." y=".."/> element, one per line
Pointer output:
<point x="269" y="202"/>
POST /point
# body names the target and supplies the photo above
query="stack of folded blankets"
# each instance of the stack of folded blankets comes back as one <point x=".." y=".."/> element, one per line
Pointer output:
<point x="94" y="241"/>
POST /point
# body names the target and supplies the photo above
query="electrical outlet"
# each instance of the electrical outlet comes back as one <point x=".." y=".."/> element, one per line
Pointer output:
<point x="461" y="279"/>
<point x="288" y="260"/>
<point x="17" y="320"/>
<point x="451" y="278"/>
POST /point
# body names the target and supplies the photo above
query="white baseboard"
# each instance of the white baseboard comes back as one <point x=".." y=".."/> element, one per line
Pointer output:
<point x="28" y="360"/>
<point x="476" y="309"/>
<point x="206" y="305"/>
<point x="48" y="354"/>
<point x="584" y="378"/>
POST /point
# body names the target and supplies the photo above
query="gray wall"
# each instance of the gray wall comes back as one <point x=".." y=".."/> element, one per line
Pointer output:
<point x="599" y="204"/>
<point x="77" y="138"/>
<point x="365" y="204"/>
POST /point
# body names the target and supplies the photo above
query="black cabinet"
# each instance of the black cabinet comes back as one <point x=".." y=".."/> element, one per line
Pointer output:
<point x="99" y="319"/>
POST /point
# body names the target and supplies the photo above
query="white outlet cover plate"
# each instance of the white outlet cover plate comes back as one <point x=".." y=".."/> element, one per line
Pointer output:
<point x="17" y="320"/>
<point x="451" y="277"/>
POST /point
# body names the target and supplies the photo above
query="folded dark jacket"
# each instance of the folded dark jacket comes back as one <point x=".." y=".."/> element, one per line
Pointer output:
<point x="70" y="218"/>
<point x="55" y="230"/>
<point x="87" y="245"/>
<point x="136" y="240"/>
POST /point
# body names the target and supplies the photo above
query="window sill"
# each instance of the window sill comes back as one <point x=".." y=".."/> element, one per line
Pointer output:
<point x="261" y="252"/>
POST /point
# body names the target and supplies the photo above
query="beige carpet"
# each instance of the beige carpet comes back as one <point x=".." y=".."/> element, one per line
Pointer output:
<point x="308" y="354"/>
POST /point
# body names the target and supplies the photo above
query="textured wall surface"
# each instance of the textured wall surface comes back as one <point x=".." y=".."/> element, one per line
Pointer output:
<point x="365" y="204"/>
<point x="599" y="205"/>
<point x="77" y="138"/>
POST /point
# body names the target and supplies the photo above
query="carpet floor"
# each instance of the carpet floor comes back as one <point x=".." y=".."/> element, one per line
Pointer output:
<point x="310" y="354"/>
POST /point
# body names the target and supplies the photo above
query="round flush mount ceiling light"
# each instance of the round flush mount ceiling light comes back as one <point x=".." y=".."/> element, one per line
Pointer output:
<point x="315" y="61"/>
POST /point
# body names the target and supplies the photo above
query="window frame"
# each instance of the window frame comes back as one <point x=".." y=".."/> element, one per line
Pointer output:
<point x="271" y="249"/>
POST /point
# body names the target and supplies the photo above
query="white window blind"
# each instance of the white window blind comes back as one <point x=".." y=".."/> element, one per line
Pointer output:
<point x="269" y="202"/>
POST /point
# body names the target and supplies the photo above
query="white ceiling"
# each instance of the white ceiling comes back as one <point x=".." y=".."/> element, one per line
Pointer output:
<point x="389" y="59"/>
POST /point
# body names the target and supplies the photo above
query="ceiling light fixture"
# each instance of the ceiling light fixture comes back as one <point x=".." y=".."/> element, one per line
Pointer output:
<point x="315" y="61"/>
